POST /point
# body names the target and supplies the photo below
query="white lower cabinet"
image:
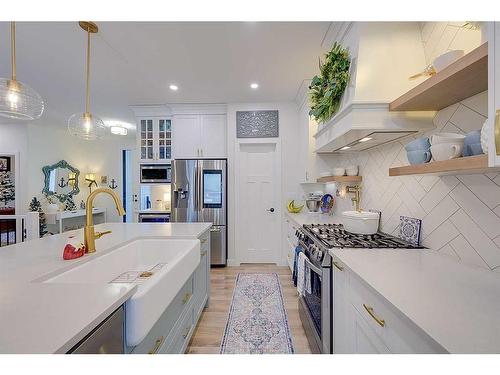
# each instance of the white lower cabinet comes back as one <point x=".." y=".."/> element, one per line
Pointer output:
<point x="364" y="339"/>
<point x="365" y="322"/>
<point x="290" y="241"/>
<point x="175" y="327"/>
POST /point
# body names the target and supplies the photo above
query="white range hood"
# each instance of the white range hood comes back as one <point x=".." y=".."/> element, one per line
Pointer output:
<point x="384" y="55"/>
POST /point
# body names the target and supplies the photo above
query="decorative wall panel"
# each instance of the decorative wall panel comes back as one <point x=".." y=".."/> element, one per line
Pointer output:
<point x="257" y="124"/>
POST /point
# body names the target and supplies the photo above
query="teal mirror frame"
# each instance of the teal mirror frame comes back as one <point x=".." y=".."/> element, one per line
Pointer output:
<point x="60" y="164"/>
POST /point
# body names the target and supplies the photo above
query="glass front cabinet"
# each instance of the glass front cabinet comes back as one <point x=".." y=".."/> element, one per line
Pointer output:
<point x="155" y="139"/>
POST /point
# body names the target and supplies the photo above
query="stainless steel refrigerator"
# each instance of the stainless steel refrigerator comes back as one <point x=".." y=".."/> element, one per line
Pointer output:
<point x="199" y="194"/>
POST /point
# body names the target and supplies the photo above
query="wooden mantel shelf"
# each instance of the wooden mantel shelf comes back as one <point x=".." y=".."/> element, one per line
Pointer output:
<point x="465" y="165"/>
<point x="340" y="179"/>
<point x="462" y="79"/>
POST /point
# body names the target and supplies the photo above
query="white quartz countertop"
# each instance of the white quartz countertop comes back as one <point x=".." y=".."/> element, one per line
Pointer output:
<point x="40" y="317"/>
<point x="455" y="304"/>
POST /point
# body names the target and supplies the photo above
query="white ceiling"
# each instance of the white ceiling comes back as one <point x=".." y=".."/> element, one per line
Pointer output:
<point x="134" y="63"/>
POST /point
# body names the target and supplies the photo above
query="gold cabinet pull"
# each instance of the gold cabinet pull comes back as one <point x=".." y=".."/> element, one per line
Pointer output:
<point x="337" y="266"/>
<point x="203" y="253"/>
<point x="157" y="345"/>
<point x="369" y="309"/>
<point x="186" y="298"/>
<point x="186" y="332"/>
<point x="497" y="131"/>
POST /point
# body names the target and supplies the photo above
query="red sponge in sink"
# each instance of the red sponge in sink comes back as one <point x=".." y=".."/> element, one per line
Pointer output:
<point x="71" y="252"/>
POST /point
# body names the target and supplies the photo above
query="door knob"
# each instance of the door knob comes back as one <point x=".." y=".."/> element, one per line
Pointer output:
<point x="271" y="209"/>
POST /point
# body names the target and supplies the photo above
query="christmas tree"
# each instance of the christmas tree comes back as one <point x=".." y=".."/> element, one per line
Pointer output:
<point x="36" y="206"/>
<point x="7" y="188"/>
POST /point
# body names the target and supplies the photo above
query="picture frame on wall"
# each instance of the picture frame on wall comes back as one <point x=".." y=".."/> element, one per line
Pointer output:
<point x="4" y="163"/>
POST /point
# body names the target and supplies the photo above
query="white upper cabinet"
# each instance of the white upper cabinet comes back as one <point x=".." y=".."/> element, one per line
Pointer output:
<point x="494" y="93"/>
<point x="199" y="136"/>
<point x="155" y="139"/>
<point x="186" y="136"/>
<point x="213" y="136"/>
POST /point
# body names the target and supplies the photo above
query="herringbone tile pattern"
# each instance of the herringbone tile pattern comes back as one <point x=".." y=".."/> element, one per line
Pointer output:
<point x="461" y="214"/>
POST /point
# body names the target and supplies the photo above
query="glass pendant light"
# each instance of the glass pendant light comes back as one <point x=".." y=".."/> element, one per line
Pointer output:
<point x="18" y="100"/>
<point x="86" y="125"/>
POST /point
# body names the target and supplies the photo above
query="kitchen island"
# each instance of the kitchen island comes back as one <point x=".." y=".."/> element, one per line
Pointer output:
<point x="51" y="317"/>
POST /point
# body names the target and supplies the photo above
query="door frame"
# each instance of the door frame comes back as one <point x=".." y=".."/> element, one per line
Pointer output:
<point x="237" y="205"/>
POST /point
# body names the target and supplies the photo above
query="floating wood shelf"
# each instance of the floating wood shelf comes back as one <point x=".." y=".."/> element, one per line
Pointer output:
<point x="340" y="179"/>
<point x="465" y="165"/>
<point x="460" y="80"/>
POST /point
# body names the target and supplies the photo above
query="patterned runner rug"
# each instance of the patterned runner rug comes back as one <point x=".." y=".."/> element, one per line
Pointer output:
<point x="257" y="321"/>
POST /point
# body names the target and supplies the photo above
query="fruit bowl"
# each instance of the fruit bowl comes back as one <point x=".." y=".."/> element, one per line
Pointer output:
<point x="292" y="208"/>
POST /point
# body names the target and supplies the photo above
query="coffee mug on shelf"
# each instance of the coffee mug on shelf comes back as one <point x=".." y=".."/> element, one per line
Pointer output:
<point x="439" y="138"/>
<point x="472" y="144"/>
<point x="421" y="143"/>
<point x="446" y="151"/>
<point x="418" y="156"/>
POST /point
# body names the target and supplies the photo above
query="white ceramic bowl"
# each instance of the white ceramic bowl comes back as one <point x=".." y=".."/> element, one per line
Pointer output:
<point x="446" y="59"/>
<point x="351" y="170"/>
<point x="446" y="138"/>
<point x="325" y="174"/>
<point x="446" y="151"/>
<point x="338" y="171"/>
<point x="363" y="222"/>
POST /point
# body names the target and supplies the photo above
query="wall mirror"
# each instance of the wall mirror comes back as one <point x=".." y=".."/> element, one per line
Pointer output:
<point x="61" y="180"/>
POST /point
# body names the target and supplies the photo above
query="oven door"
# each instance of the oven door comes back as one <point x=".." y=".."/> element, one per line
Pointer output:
<point x="315" y="308"/>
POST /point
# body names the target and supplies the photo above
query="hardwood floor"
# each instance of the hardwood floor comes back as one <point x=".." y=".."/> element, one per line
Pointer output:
<point x="208" y="334"/>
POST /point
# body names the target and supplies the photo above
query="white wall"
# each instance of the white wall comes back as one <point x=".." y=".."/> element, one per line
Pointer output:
<point x="41" y="145"/>
<point x="288" y="134"/>
<point x="47" y="145"/>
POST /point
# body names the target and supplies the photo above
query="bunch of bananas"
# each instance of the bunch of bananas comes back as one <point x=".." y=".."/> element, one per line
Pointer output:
<point x="294" y="209"/>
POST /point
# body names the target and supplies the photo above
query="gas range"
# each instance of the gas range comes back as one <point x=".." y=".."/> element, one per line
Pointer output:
<point x="334" y="236"/>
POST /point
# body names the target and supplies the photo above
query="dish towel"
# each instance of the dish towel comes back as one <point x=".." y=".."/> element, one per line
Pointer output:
<point x="298" y="250"/>
<point x="301" y="268"/>
<point x="307" y="278"/>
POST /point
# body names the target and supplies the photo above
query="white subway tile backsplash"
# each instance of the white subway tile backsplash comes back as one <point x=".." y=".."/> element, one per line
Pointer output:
<point x="460" y="214"/>
<point x="485" y="247"/>
<point x="483" y="188"/>
<point x="441" y="236"/>
<point x="467" y="120"/>
<point x="478" y="103"/>
<point x="437" y="193"/>
<point x="466" y="252"/>
<point x="443" y="210"/>
<point x="488" y="221"/>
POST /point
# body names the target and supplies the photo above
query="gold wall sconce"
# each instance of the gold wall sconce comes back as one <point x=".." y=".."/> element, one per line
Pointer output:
<point x="71" y="179"/>
<point x="90" y="178"/>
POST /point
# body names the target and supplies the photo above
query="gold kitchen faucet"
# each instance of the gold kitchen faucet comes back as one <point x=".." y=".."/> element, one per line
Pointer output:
<point x="89" y="234"/>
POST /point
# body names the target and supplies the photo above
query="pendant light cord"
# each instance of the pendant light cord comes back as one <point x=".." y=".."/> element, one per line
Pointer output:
<point x="13" y="49"/>
<point x="87" y="98"/>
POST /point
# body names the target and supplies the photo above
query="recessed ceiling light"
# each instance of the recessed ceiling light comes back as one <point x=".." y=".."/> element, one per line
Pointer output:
<point x="345" y="148"/>
<point x="173" y="87"/>
<point x="254" y="85"/>
<point x="366" y="139"/>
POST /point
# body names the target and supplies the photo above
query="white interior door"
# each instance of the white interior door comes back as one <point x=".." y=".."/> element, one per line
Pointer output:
<point x="258" y="224"/>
